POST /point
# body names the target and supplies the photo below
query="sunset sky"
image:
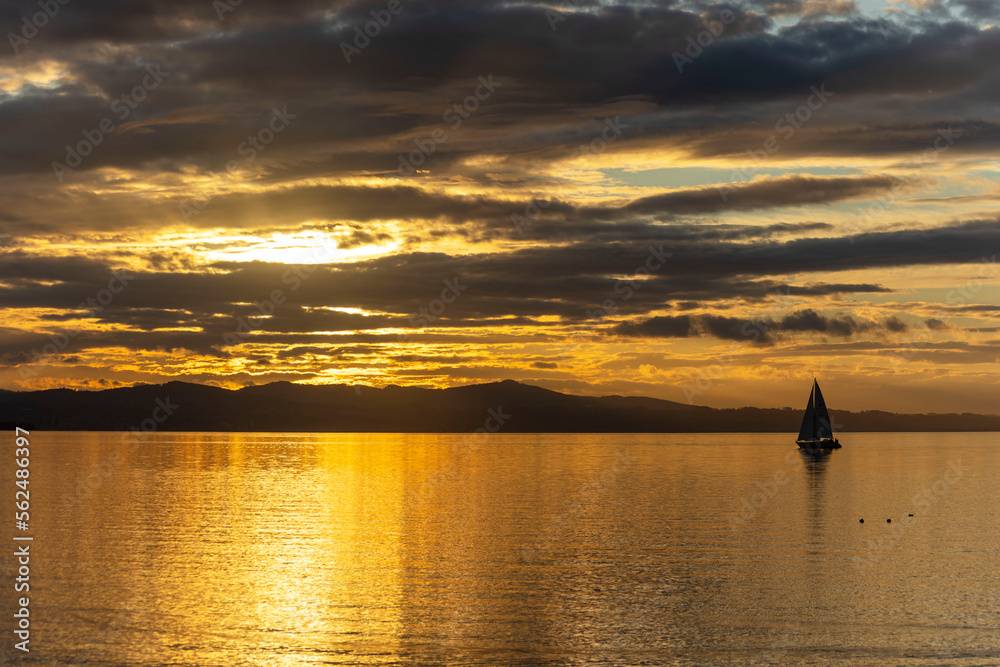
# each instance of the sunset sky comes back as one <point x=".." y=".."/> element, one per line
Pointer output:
<point x="594" y="197"/>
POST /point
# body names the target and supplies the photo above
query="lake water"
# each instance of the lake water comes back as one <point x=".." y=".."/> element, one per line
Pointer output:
<point x="372" y="549"/>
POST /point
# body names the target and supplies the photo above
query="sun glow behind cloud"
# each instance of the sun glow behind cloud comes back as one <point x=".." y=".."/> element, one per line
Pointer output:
<point x="299" y="248"/>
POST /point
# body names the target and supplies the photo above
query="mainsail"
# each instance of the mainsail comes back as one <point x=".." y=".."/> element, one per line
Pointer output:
<point x="824" y="430"/>
<point x="808" y="430"/>
<point x="817" y="429"/>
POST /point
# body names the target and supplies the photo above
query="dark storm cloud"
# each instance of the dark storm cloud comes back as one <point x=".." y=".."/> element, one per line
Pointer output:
<point x="130" y="22"/>
<point x="547" y="229"/>
<point x="751" y="329"/>
<point x="979" y="9"/>
<point x="294" y="206"/>
<point x="695" y="264"/>
<point x="895" y="324"/>
<point x="529" y="283"/>
<point x="477" y="219"/>
<point x="230" y="73"/>
<point x="34" y="348"/>
<point x="562" y="282"/>
<point x="895" y="85"/>
<point x="806" y="8"/>
<point x="667" y="326"/>
<point x="23" y="267"/>
<point x="974" y="309"/>
<point x="621" y="51"/>
<point x="767" y="193"/>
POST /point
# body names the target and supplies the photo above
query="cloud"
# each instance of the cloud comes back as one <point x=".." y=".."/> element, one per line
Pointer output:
<point x="666" y="326"/>
<point x="760" y="248"/>
<point x="761" y="194"/>
<point x="751" y="329"/>
<point x="358" y="117"/>
<point x="565" y="280"/>
<point x="978" y="9"/>
<point x="808" y="8"/>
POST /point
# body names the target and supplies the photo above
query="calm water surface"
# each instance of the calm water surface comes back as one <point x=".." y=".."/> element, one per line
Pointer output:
<point x="268" y="549"/>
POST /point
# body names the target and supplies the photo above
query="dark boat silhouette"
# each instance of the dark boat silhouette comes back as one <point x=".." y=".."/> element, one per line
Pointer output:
<point x="817" y="429"/>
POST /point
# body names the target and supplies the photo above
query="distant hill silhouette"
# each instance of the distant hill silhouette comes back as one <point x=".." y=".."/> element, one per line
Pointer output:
<point x="282" y="406"/>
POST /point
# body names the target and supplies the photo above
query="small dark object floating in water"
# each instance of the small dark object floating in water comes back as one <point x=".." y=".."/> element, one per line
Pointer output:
<point x="888" y="520"/>
<point x="862" y="521"/>
<point x="909" y="515"/>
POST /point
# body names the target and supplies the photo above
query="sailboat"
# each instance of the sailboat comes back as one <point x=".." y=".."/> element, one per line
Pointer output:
<point x="817" y="429"/>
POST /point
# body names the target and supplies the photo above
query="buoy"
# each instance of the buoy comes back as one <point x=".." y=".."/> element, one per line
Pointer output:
<point x="862" y="521"/>
<point x="909" y="515"/>
<point x="888" y="520"/>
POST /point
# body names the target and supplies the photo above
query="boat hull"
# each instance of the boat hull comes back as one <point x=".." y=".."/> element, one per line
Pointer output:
<point x="818" y="444"/>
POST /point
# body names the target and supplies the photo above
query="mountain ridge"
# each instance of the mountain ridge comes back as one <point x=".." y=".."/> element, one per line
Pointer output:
<point x="507" y="406"/>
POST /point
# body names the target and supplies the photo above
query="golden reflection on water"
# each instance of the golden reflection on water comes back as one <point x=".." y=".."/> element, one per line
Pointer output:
<point x="270" y="549"/>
